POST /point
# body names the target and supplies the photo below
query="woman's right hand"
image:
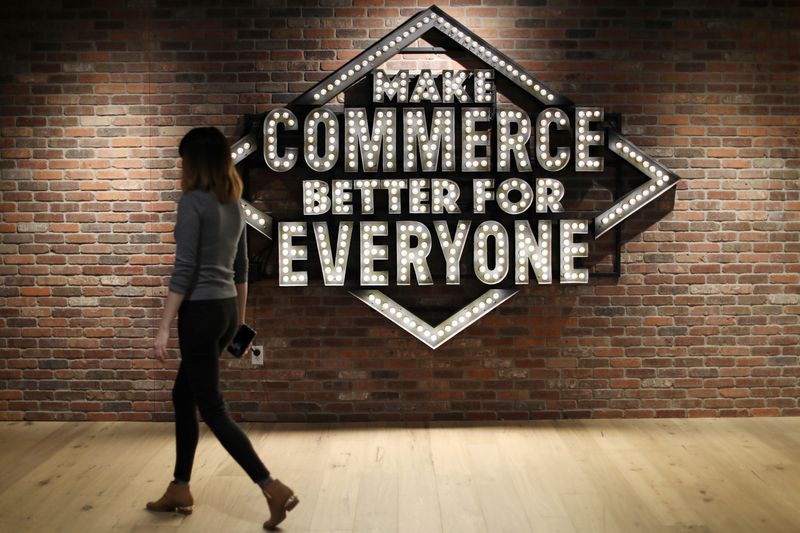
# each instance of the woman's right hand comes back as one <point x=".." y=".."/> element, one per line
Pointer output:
<point x="160" y="345"/>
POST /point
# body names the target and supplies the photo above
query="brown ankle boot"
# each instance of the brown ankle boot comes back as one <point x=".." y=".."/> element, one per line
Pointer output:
<point x="176" y="499"/>
<point x="280" y="499"/>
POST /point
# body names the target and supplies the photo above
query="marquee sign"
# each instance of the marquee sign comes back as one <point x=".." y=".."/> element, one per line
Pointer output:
<point x="416" y="173"/>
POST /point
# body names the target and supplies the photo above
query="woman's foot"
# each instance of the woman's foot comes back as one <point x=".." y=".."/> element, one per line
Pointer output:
<point x="280" y="499"/>
<point x="177" y="499"/>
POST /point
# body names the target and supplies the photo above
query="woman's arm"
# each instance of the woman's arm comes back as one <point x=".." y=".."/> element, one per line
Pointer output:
<point x="241" y="300"/>
<point x="187" y="236"/>
<point x="240" y="279"/>
<point x="174" y="300"/>
<point x="240" y="267"/>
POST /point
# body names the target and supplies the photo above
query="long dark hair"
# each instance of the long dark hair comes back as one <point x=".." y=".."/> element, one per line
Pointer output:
<point x="208" y="166"/>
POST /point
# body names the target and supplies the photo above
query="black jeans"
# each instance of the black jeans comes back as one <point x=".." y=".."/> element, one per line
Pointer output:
<point x="205" y="327"/>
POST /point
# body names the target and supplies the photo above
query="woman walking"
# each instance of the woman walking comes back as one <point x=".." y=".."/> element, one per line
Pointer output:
<point x="208" y="293"/>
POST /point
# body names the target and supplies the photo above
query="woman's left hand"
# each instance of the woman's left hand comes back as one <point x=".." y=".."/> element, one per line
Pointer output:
<point x="232" y="348"/>
<point x="160" y="346"/>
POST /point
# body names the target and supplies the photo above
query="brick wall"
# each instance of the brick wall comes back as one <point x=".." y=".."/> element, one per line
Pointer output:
<point x="703" y="321"/>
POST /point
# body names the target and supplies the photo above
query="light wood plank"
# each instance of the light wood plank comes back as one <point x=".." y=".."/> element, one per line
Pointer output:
<point x="419" y="506"/>
<point x="22" y="454"/>
<point x="340" y="477"/>
<point x="523" y="447"/>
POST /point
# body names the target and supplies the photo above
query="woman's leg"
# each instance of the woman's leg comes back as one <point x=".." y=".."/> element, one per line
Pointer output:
<point x="187" y="428"/>
<point x="178" y="498"/>
<point x="208" y="327"/>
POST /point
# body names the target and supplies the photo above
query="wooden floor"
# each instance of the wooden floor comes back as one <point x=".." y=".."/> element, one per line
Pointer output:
<point x="721" y="475"/>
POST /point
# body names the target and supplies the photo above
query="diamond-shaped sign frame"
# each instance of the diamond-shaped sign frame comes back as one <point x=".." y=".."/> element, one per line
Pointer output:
<point x="660" y="179"/>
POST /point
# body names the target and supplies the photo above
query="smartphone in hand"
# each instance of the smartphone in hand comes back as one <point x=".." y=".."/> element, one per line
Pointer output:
<point x="242" y="340"/>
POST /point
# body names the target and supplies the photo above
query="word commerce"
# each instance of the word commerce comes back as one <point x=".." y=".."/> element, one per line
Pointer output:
<point x="422" y="167"/>
<point x="411" y="140"/>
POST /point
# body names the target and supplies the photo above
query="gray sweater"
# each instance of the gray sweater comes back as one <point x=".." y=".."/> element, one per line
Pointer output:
<point x="211" y="248"/>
